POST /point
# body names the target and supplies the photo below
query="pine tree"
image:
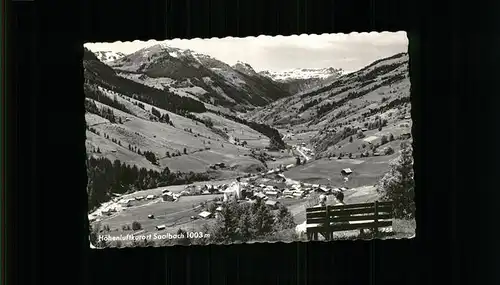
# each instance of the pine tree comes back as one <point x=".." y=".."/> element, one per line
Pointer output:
<point x="383" y="140"/>
<point x="245" y="228"/>
<point x="184" y="240"/>
<point x="391" y="137"/>
<point x="284" y="219"/>
<point x="398" y="184"/>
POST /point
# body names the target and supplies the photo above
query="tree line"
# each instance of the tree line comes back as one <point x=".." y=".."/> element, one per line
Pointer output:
<point x="105" y="112"/>
<point x="99" y="74"/>
<point x="93" y="92"/>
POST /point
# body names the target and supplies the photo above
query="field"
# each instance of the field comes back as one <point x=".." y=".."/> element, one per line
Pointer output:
<point x="171" y="214"/>
<point x="366" y="171"/>
<point x="203" y="146"/>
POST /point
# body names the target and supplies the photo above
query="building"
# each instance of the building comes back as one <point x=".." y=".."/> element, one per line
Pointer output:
<point x="168" y="197"/>
<point x="272" y="204"/>
<point x="126" y="202"/>
<point x="346" y="171"/>
<point x="150" y="197"/>
<point x="205" y="215"/>
<point x="405" y="136"/>
<point x="260" y="196"/>
<point x="298" y="194"/>
<point x="273" y="194"/>
<point x="160" y="227"/>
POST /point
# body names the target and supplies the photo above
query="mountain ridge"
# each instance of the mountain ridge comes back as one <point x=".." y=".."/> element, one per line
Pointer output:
<point x="301" y="79"/>
<point x="352" y="102"/>
<point x="216" y="82"/>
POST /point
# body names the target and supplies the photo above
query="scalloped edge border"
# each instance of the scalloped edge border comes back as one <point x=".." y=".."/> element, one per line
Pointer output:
<point x="249" y="37"/>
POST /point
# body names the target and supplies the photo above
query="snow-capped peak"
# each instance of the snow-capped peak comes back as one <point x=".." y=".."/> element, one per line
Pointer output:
<point x="244" y="68"/>
<point x="302" y="73"/>
<point x="108" y="56"/>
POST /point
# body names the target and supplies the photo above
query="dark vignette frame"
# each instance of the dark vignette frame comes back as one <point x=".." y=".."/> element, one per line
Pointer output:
<point x="58" y="50"/>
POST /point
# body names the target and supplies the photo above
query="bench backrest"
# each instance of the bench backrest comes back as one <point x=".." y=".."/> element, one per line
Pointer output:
<point x="350" y="217"/>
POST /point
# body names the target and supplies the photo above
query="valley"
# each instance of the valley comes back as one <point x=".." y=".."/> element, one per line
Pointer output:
<point x="165" y="120"/>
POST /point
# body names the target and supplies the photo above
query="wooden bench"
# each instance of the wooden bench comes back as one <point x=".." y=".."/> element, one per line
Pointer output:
<point x="330" y="219"/>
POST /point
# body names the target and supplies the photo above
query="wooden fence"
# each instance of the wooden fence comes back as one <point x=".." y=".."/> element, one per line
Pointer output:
<point x="330" y="219"/>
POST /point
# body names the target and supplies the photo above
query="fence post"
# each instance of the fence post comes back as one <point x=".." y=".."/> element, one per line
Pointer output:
<point x="376" y="217"/>
<point x="327" y="226"/>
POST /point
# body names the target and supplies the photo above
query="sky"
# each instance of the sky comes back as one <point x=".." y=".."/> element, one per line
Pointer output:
<point x="350" y="52"/>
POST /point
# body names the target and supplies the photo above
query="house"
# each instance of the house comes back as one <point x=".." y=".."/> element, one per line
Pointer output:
<point x="106" y="212"/>
<point x="126" y="202"/>
<point x="273" y="194"/>
<point x="220" y="165"/>
<point x="287" y="192"/>
<point x="165" y="191"/>
<point x="218" y="209"/>
<point x="289" y="166"/>
<point x="298" y="194"/>
<point x="260" y="196"/>
<point x="280" y="178"/>
<point x="405" y="136"/>
<point x="272" y="204"/>
<point x="343" y="189"/>
<point x="150" y="197"/>
<point x="205" y="215"/>
<point x="346" y="171"/>
<point x="322" y="190"/>
<point x="139" y="198"/>
<point x="168" y="197"/>
<point x="160" y="227"/>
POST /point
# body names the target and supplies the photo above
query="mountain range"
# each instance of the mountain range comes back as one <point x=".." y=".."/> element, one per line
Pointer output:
<point x="108" y="56"/>
<point x="302" y="79"/>
<point x="167" y="107"/>
<point x="199" y="76"/>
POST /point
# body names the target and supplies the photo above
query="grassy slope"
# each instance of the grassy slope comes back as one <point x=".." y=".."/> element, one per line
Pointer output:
<point x="159" y="138"/>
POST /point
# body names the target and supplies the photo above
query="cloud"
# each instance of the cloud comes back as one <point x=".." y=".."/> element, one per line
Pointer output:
<point x="347" y="51"/>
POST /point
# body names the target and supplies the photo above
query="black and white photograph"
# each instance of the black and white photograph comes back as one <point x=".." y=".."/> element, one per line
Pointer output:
<point x="243" y="140"/>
